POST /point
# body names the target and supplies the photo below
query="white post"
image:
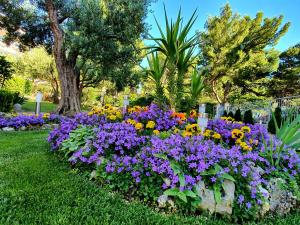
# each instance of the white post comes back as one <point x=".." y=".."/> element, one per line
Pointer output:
<point x="125" y="103"/>
<point x="139" y="90"/>
<point x="38" y="98"/>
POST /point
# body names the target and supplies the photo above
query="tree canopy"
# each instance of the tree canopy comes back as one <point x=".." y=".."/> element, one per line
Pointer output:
<point x="6" y="70"/>
<point x="105" y="32"/>
<point x="236" y="51"/>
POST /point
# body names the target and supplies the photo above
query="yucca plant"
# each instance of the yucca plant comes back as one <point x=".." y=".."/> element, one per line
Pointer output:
<point x="289" y="132"/>
<point x="178" y="48"/>
<point x="155" y="72"/>
<point x="197" y="86"/>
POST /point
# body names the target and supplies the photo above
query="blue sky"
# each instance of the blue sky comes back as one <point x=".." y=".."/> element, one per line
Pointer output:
<point x="288" y="8"/>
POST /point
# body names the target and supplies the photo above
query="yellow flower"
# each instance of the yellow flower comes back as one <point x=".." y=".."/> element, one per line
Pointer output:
<point x="246" y="129"/>
<point x="156" y="132"/>
<point x="238" y="141"/>
<point x="195" y="128"/>
<point x="229" y="119"/>
<point x="217" y="135"/>
<point x="186" y="133"/>
<point x="193" y="113"/>
<point x="139" y="126"/>
<point x="46" y="115"/>
<point x="207" y="133"/>
<point x="245" y="146"/>
<point x="236" y="133"/>
<point x="131" y="121"/>
<point x="112" y="117"/>
<point x="150" y="124"/>
<point x="176" y="130"/>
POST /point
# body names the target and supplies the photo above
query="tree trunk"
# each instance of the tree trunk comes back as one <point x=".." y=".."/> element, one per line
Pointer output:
<point x="69" y="103"/>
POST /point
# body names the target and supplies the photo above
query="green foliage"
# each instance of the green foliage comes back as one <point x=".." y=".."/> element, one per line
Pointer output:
<point x="286" y="81"/>
<point x="155" y="73"/>
<point x="197" y="86"/>
<point x="77" y="139"/>
<point x="225" y="113"/>
<point x="27" y="87"/>
<point x="248" y="118"/>
<point x="8" y="99"/>
<point x="271" y="123"/>
<point x="142" y="101"/>
<point x="6" y="70"/>
<point x="237" y="50"/>
<point x="289" y="133"/>
<point x="16" y="84"/>
<point x="238" y="115"/>
<point x="178" y="48"/>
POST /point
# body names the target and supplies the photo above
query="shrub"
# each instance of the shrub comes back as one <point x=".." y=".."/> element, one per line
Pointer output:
<point x="278" y="117"/>
<point x="238" y="115"/>
<point x="142" y="101"/>
<point x="8" y="99"/>
<point x="230" y="114"/>
<point x="225" y="114"/>
<point x="210" y="110"/>
<point x="248" y="118"/>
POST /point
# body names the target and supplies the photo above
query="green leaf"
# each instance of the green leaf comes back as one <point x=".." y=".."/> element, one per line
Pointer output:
<point x="175" y="167"/>
<point x="196" y="202"/>
<point x="182" y="196"/>
<point x="227" y="176"/>
<point x="171" y="192"/>
<point x="161" y="156"/>
<point x="190" y="193"/>
<point x="181" y="179"/>
<point x="217" y="193"/>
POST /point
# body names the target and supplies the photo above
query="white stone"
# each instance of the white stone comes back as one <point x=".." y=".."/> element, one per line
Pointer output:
<point x="17" y="107"/>
<point x="207" y="198"/>
<point x="162" y="201"/>
<point x="281" y="200"/>
<point x="224" y="207"/>
<point x="8" y="129"/>
<point x="23" y="128"/>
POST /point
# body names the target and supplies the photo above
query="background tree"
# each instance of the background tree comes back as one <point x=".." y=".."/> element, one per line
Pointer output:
<point x="278" y="117"/>
<point x="286" y="80"/>
<point x="102" y="31"/>
<point x="6" y="70"/>
<point x="38" y="64"/>
<point x="236" y="50"/>
<point x="238" y="115"/>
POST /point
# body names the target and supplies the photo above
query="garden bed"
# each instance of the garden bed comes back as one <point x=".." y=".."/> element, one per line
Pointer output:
<point x="164" y="159"/>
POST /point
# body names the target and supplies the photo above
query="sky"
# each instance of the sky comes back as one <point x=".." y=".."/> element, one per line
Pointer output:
<point x="271" y="8"/>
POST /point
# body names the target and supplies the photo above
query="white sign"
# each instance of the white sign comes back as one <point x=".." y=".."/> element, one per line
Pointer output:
<point x="39" y="97"/>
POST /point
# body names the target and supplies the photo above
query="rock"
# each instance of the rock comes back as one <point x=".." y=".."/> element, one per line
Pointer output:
<point x="256" y="169"/>
<point x="8" y="129"/>
<point x="207" y="198"/>
<point x="17" y="107"/>
<point x="23" y="128"/>
<point x="46" y="127"/>
<point x="162" y="201"/>
<point x="224" y="207"/>
<point x="281" y="200"/>
<point x="54" y="126"/>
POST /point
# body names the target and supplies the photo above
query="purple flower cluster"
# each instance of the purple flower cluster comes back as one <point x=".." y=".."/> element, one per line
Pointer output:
<point x="119" y="149"/>
<point x="28" y="120"/>
<point x="162" y="118"/>
<point x="112" y="141"/>
<point x="224" y="128"/>
<point x="61" y="133"/>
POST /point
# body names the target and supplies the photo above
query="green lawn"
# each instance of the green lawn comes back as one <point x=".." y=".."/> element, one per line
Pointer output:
<point x="29" y="106"/>
<point x="37" y="188"/>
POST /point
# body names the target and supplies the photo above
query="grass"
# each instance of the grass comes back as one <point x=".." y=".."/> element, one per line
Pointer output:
<point x="37" y="188"/>
<point x="29" y="106"/>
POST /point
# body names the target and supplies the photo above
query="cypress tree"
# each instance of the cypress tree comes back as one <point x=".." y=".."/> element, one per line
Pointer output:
<point x="238" y="115"/>
<point x="248" y="118"/>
